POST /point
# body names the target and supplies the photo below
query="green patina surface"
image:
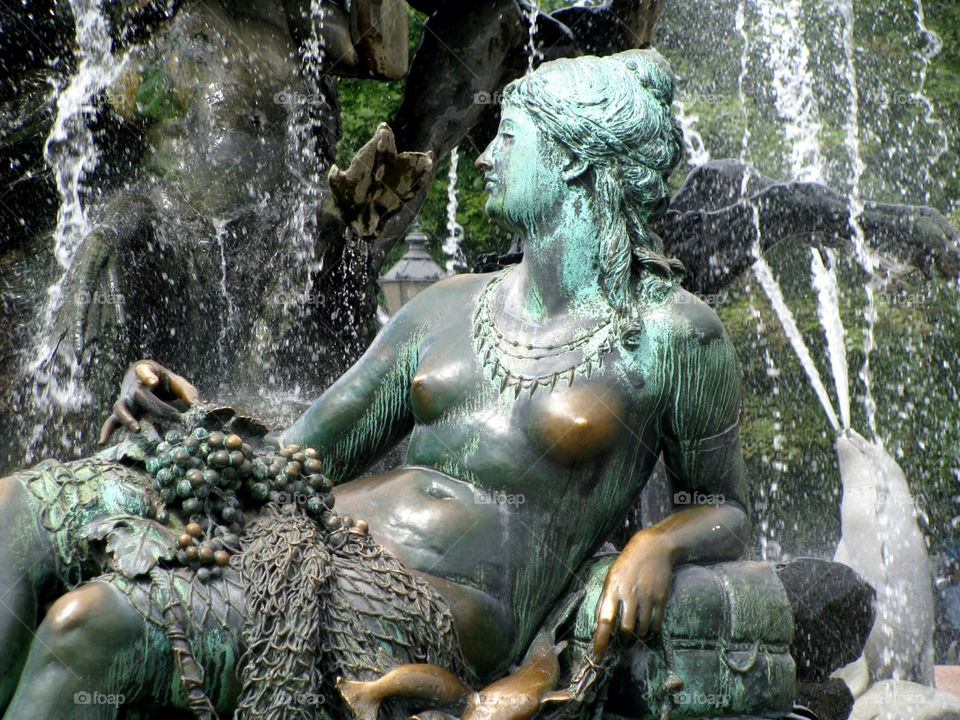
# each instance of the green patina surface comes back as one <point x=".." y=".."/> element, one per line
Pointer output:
<point x="472" y="366"/>
<point x="588" y="253"/>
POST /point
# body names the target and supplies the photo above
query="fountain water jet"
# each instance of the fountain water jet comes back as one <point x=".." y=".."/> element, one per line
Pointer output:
<point x="828" y="310"/>
<point x="764" y="275"/>
<point x="863" y="254"/>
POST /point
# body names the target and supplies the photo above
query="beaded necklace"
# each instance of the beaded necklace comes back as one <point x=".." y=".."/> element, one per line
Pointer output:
<point x="503" y="358"/>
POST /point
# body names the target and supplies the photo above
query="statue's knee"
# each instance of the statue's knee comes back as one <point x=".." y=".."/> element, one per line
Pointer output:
<point x="11" y="495"/>
<point x="17" y="515"/>
<point x="88" y="624"/>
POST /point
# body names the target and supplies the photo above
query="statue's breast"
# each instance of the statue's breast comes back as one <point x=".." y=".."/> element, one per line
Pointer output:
<point x="446" y="376"/>
<point x="577" y="424"/>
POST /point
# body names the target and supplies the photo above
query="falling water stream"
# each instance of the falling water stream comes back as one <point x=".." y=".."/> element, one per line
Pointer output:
<point x="696" y="150"/>
<point x="931" y="47"/>
<point x="451" y="244"/>
<point x="788" y="59"/>
<point x="220" y="226"/>
<point x="71" y="154"/>
<point x="70" y="150"/>
<point x="533" y="52"/>
<point x="304" y="156"/>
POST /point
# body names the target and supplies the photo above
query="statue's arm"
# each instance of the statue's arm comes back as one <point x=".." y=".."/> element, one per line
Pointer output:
<point x="368" y="410"/>
<point x="701" y="451"/>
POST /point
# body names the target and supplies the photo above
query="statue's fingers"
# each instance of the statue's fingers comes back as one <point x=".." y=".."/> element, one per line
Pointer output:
<point x="152" y="404"/>
<point x="659" y="610"/>
<point x="106" y="430"/>
<point x="601" y="638"/>
<point x="121" y="415"/>
<point x="643" y="617"/>
<point x="628" y="620"/>
<point x="183" y="388"/>
<point x="147" y="374"/>
<point x="606" y="618"/>
<point x="126" y="417"/>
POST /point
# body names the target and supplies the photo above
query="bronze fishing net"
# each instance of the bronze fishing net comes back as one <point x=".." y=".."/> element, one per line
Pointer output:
<point x="324" y="603"/>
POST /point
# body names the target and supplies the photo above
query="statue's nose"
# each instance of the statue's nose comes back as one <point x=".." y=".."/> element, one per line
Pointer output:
<point x="483" y="162"/>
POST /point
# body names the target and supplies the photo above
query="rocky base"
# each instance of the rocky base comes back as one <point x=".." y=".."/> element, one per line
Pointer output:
<point x="829" y="700"/>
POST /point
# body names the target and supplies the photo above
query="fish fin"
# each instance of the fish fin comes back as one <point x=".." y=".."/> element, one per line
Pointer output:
<point x="355" y="694"/>
<point x="556" y="696"/>
<point x="540" y="645"/>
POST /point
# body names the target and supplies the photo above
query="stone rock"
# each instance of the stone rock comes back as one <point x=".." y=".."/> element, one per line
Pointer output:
<point x="829" y="700"/>
<point x="379" y="30"/>
<point x="903" y="700"/>
<point x="832" y="615"/>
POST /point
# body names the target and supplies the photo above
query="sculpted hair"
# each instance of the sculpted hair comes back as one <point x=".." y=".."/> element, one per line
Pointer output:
<point x="614" y="113"/>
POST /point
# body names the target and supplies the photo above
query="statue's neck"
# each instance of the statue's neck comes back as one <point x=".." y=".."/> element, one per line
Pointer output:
<point x="560" y="270"/>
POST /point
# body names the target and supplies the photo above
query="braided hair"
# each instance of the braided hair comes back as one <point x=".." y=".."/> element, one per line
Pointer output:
<point x="614" y="113"/>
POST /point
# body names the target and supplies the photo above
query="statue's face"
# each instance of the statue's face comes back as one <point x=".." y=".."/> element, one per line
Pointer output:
<point x="522" y="167"/>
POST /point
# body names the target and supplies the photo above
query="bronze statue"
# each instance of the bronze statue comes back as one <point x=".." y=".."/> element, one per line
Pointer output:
<point x="538" y="400"/>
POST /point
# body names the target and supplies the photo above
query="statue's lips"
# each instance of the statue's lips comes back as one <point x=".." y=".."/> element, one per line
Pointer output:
<point x="492" y="180"/>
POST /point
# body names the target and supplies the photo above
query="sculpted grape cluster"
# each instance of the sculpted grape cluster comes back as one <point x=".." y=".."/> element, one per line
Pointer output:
<point x="211" y="478"/>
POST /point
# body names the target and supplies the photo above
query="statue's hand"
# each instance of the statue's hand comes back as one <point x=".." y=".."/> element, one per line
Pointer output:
<point x="147" y="387"/>
<point x="636" y="589"/>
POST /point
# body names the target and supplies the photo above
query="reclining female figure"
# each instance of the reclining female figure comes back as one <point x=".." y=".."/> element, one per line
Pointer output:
<point x="538" y="400"/>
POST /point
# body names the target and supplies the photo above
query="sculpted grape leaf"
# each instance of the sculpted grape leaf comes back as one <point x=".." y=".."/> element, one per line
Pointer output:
<point x="136" y="544"/>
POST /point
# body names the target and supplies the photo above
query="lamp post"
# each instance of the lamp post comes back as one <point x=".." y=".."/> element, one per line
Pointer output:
<point x="411" y="273"/>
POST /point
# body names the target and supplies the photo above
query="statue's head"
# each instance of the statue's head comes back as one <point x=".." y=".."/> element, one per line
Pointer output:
<point x="612" y="114"/>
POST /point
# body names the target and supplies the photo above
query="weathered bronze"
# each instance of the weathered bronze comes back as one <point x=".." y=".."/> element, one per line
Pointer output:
<point x="537" y="400"/>
<point x="366" y="202"/>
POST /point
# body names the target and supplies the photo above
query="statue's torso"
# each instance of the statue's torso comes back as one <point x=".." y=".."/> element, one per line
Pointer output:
<point x="507" y="494"/>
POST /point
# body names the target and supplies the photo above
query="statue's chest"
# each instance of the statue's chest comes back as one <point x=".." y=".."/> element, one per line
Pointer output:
<point x="568" y="419"/>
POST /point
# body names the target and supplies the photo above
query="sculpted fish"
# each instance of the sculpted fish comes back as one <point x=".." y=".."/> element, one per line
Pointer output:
<point x="430" y="683"/>
<point x="515" y="697"/>
<point x="519" y="695"/>
<point x="882" y="541"/>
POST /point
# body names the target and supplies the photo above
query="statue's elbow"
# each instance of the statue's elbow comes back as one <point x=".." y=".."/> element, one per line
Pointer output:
<point x="740" y="526"/>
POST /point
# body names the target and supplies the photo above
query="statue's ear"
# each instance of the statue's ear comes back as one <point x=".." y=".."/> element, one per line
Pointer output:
<point x="575" y="167"/>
